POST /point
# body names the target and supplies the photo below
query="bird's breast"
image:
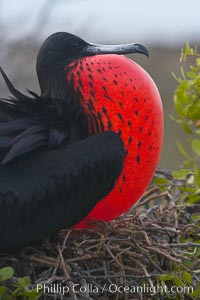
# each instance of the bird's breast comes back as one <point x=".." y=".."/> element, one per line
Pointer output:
<point x="117" y="94"/>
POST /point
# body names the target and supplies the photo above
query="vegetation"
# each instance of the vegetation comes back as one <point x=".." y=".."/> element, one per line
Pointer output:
<point x="187" y="104"/>
<point x="12" y="287"/>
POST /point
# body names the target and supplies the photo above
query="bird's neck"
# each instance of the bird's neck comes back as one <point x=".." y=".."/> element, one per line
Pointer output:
<point x="52" y="84"/>
<point x="82" y="102"/>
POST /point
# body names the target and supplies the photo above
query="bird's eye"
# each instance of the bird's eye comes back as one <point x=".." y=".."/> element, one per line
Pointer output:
<point x="75" y="46"/>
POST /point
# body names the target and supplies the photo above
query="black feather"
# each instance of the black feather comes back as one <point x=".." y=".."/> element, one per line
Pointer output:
<point x="31" y="130"/>
<point x="25" y="145"/>
<point x="15" y="125"/>
<point x="29" y="123"/>
<point x="11" y="88"/>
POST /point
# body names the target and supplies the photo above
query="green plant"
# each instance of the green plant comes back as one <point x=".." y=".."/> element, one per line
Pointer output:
<point x="13" y="288"/>
<point x="187" y="104"/>
<point x="185" y="183"/>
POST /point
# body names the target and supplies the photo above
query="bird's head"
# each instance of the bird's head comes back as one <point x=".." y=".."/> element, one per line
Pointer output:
<point x="60" y="49"/>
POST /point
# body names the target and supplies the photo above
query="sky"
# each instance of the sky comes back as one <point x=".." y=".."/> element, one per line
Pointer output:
<point x="168" y="22"/>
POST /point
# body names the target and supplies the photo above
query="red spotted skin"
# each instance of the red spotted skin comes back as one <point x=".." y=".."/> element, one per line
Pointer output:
<point x="123" y="98"/>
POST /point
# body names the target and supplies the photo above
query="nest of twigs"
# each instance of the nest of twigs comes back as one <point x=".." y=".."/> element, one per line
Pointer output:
<point x="122" y="259"/>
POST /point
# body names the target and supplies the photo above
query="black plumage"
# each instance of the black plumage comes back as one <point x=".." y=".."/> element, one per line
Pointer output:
<point x="28" y="123"/>
<point x="55" y="189"/>
<point x="51" y="172"/>
<point x="47" y="180"/>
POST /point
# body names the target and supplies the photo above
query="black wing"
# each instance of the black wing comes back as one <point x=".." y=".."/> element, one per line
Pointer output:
<point x="30" y="122"/>
<point x="56" y="189"/>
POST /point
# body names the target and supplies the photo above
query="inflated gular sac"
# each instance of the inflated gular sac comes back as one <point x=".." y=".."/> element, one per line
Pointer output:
<point x="117" y="94"/>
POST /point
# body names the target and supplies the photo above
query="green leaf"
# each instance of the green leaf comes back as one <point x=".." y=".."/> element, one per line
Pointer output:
<point x="187" y="277"/>
<point x="180" y="175"/>
<point x="3" y="290"/>
<point x="182" y="150"/>
<point x="198" y="62"/>
<point x="178" y="281"/>
<point x="187" y="189"/>
<point x="196" y="293"/>
<point x="32" y="294"/>
<point x="178" y="105"/>
<point x="192" y="199"/>
<point x="23" y="281"/>
<point x="187" y="48"/>
<point x="197" y="174"/>
<point x="159" y="180"/>
<point x="196" y="146"/>
<point x="6" y="273"/>
<point x="191" y="74"/>
<point x="186" y="128"/>
<point x="166" y="277"/>
<point x="192" y="111"/>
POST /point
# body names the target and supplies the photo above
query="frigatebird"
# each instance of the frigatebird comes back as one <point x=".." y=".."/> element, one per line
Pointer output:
<point x="90" y="142"/>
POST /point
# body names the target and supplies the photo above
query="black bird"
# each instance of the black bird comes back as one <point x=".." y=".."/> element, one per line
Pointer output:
<point x="54" y="169"/>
